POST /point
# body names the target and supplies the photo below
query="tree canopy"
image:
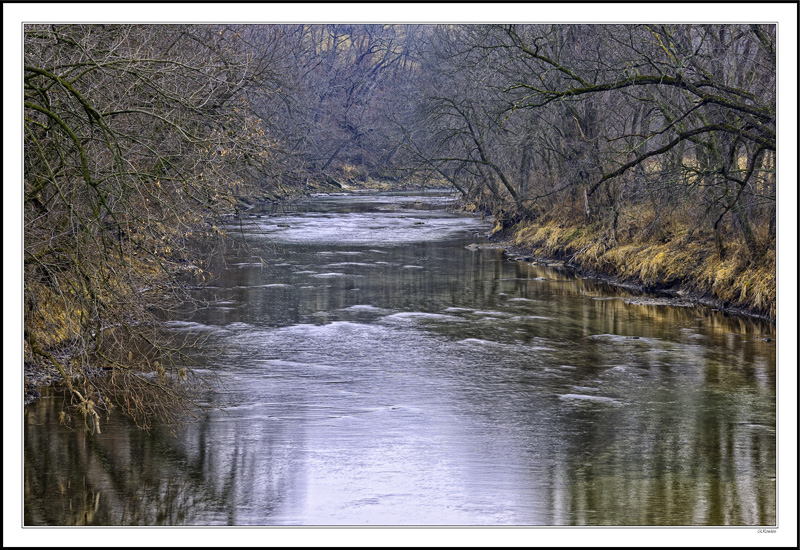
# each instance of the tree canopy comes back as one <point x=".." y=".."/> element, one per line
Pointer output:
<point x="138" y="138"/>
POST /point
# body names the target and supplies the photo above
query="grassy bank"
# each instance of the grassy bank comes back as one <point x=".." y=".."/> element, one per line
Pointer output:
<point x="683" y="264"/>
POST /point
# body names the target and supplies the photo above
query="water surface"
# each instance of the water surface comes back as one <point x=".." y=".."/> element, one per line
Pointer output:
<point x="376" y="371"/>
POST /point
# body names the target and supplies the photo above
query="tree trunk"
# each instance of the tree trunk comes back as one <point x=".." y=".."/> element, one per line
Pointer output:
<point x="747" y="231"/>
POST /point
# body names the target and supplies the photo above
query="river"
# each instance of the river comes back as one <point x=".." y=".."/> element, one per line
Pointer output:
<point x="374" y="369"/>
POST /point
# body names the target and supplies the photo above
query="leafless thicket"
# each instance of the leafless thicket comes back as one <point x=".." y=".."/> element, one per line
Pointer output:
<point x="678" y="120"/>
<point x="138" y="137"/>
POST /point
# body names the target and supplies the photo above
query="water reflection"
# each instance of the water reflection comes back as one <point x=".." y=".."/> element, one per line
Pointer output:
<point x="413" y="381"/>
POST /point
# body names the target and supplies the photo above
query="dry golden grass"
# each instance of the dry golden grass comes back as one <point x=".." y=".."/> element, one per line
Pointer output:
<point x="672" y="257"/>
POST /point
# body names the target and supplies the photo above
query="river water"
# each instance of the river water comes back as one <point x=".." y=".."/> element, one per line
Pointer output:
<point x="375" y="370"/>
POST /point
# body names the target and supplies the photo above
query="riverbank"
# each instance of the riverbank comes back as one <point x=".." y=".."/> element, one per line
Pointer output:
<point x="684" y="271"/>
<point x="678" y="272"/>
<point x="352" y="331"/>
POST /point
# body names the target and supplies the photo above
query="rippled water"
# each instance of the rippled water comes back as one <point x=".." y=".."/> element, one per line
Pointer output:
<point x="376" y="371"/>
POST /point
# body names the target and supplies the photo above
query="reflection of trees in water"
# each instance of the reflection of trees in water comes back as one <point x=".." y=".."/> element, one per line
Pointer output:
<point x="128" y="477"/>
<point x="698" y="451"/>
<point x="703" y="460"/>
<point x="693" y="454"/>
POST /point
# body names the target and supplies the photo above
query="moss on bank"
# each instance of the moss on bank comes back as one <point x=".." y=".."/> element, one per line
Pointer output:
<point x="684" y="264"/>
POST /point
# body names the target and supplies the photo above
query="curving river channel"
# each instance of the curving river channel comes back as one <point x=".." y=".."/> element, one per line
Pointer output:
<point x="375" y="369"/>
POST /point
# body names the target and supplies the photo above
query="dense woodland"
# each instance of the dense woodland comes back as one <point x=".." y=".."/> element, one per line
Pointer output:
<point x="644" y="151"/>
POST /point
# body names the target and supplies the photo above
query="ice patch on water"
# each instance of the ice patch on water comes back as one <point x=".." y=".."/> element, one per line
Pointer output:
<point x="328" y="275"/>
<point x="365" y="307"/>
<point x="311" y="331"/>
<point x="343" y="264"/>
<point x="238" y="326"/>
<point x="422" y="316"/>
<point x="189" y="325"/>
<point x="583" y="389"/>
<point x="491" y="313"/>
<point x="367" y="229"/>
<point x="478" y="342"/>
<point x="271" y="285"/>
<point x="590" y="398"/>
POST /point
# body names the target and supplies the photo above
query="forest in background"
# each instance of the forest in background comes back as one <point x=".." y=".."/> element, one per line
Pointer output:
<point x="647" y="152"/>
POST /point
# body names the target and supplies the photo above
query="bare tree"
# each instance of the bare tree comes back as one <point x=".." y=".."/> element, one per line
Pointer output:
<point x="136" y="139"/>
<point x="676" y="117"/>
<point x="709" y="89"/>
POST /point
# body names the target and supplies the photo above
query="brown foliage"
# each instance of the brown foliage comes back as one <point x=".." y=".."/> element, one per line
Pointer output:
<point x="137" y="138"/>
